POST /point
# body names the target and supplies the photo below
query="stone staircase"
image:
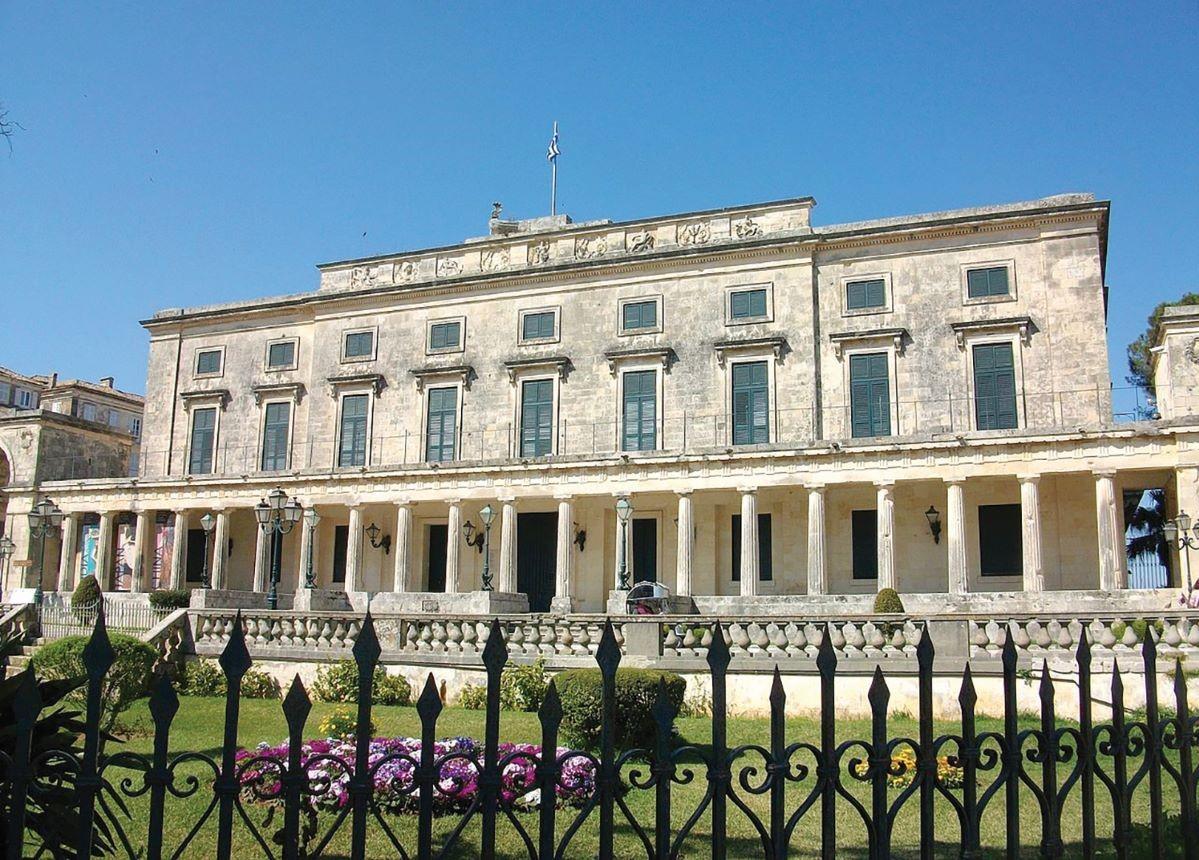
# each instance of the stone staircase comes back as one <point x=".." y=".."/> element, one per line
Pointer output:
<point x="18" y="662"/>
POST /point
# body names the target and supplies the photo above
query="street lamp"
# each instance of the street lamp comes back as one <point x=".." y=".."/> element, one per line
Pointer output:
<point x="624" y="510"/>
<point x="45" y="517"/>
<point x="1180" y="534"/>
<point x="277" y="515"/>
<point x="7" y="548"/>
<point x="208" y="523"/>
<point x="311" y="518"/>
<point x="483" y="541"/>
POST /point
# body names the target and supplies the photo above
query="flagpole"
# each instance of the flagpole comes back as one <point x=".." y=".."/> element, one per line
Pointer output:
<point x="554" y="177"/>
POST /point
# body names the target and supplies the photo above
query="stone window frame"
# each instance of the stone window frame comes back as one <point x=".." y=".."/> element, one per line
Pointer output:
<point x="635" y="364"/>
<point x="556" y="310"/>
<point x="871" y="346"/>
<point x="216" y="401"/>
<point x="295" y="355"/>
<point x="1012" y="294"/>
<point x="451" y="379"/>
<point x="1016" y="338"/>
<point x="135" y="426"/>
<point x="446" y="350"/>
<point x="359" y="359"/>
<point x="196" y="374"/>
<point x="372" y="394"/>
<point x="535" y="373"/>
<point x="621" y="331"/>
<point x="772" y="422"/>
<point x="292" y="402"/>
<point x="730" y="290"/>
<point x="888" y="305"/>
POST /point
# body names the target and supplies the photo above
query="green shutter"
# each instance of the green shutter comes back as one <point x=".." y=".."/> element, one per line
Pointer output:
<point x="860" y="295"/>
<point x="751" y="403"/>
<point x="994" y="387"/>
<point x="984" y="283"/>
<point x="640" y="411"/>
<point x="639" y="315"/>
<point x="538" y="326"/>
<point x="352" y="448"/>
<point x="203" y="437"/>
<point x="747" y="304"/>
<point x="274" y="436"/>
<point x="869" y="395"/>
<point x="441" y="425"/>
<point x="537" y="418"/>
<point x="445" y="335"/>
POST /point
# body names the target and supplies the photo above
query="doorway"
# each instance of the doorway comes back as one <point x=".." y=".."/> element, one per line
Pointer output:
<point x="438" y="538"/>
<point x="645" y="550"/>
<point x="536" y="558"/>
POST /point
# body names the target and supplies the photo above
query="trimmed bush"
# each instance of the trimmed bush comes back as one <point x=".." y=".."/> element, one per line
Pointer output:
<point x="338" y="682"/>
<point x="86" y="592"/>
<point x="127" y="681"/>
<point x="171" y="598"/>
<point x="205" y="678"/>
<point x="581" y="692"/>
<point x="342" y="723"/>
<point x="887" y="602"/>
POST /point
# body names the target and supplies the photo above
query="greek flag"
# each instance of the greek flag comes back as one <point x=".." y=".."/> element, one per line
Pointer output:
<point x="552" y="153"/>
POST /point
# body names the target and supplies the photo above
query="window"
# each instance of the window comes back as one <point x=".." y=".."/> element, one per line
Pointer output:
<point x="135" y="426"/>
<point x="640" y="411"/>
<point x="765" y="556"/>
<point x="208" y="362"/>
<point x="537" y="418"/>
<point x="352" y="447"/>
<point x="869" y="395"/>
<point x="864" y="525"/>
<point x="25" y="399"/>
<point x="359" y="345"/>
<point x="441" y="424"/>
<point x="88" y="412"/>
<point x="538" y="325"/>
<point x="994" y="387"/>
<point x="5" y="393"/>
<point x="747" y="304"/>
<point x="114" y="418"/>
<point x="1000" y="541"/>
<point x="751" y="403"/>
<point x="988" y="282"/>
<point x="281" y="355"/>
<point x="863" y="295"/>
<point x="445" y="335"/>
<point x="639" y="315"/>
<point x="203" y="441"/>
<point x="275" y="429"/>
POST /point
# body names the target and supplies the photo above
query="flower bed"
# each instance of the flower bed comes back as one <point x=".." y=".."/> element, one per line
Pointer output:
<point x="329" y="764"/>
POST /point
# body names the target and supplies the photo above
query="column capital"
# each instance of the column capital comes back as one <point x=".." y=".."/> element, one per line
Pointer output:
<point x="815" y="486"/>
<point x="1104" y="473"/>
<point x="563" y="496"/>
<point x="1028" y="479"/>
<point x="453" y="502"/>
<point x="747" y="491"/>
<point x="506" y="499"/>
<point x="681" y="493"/>
<point x="954" y="482"/>
<point x="403" y="503"/>
<point x="885" y="484"/>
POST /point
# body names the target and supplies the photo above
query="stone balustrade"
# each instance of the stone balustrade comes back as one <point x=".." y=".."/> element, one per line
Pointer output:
<point x="1054" y="635"/>
<point x="772" y="638"/>
<point x="544" y="636"/>
<point x="18" y="621"/>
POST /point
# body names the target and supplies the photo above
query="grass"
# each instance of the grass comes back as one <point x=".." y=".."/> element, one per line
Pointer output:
<point x="198" y="728"/>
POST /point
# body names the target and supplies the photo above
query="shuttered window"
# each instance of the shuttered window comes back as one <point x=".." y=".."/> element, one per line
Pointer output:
<point x="359" y="344"/>
<point x="860" y="295"/>
<point x="537" y="418"/>
<point x="765" y="554"/>
<point x="537" y="326"/>
<point x="994" y="387"/>
<point x="203" y="439"/>
<point x="984" y="283"/>
<point x="208" y="362"/>
<point x="1000" y="540"/>
<point x="870" y="395"/>
<point x="275" y="428"/>
<point x="281" y="354"/>
<point x="639" y="315"/>
<point x="352" y="449"/>
<point x="640" y="411"/>
<point x="864" y="525"/>
<point x="747" y="304"/>
<point x="441" y="425"/>
<point x="446" y="335"/>
<point x="751" y="403"/>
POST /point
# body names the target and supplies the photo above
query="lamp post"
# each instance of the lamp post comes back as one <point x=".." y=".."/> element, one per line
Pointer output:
<point x="208" y="523"/>
<point x="624" y="510"/>
<point x="311" y="518"/>
<point x="45" y="517"/>
<point x="277" y="515"/>
<point x="7" y="548"/>
<point x="1180" y="534"/>
<point x="482" y="541"/>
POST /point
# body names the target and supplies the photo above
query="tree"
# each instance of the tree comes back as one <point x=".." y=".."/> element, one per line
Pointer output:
<point x="8" y="127"/>
<point x="1140" y="359"/>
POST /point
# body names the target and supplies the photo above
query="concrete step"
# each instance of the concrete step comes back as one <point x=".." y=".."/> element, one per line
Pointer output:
<point x="18" y="662"/>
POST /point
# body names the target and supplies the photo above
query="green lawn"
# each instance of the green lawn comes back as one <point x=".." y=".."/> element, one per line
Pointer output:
<point x="198" y="728"/>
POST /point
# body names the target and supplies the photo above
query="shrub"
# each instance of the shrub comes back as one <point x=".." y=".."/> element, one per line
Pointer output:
<point x="127" y="680"/>
<point x="342" y="723"/>
<point x="86" y="592"/>
<point x="473" y="697"/>
<point x="581" y="692"/>
<point x="259" y="685"/>
<point x="338" y="682"/>
<point x="205" y="678"/>
<point x="522" y="688"/>
<point x="887" y="602"/>
<point x="171" y="598"/>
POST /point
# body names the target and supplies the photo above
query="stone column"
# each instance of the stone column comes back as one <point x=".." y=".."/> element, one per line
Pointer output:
<point x="564" y="561"/>
<point x="1111" y="538"/>
<point x="749" y="542"/>
<point x="179" y="551"/>
<point x="507" y="580"/>
<point x="817" y="566"/>
<point x="453" y="539"/>
<point x="69" y="548"/>
<point x="886" y="534"/>
<point x="686" y="546"/>
<point x="219" y="571"/>
<point x="104" y="550"/>
<point x="262" y="557"/>
<point x="138" y="580"/>
<point x="307" y="545"/>
<point x="354" y="551"/>
<point x="955" y="538"/>
<point x="1030" y="534"/>
<point x="402" y="577"/>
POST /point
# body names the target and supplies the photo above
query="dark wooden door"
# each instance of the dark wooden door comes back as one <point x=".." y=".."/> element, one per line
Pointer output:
<point x="438" y="535"/>
<point x="195" y="555"/>
<point x="645" y="550"/>
<point x="341" y="545"/>
<point x="536" y="557"/>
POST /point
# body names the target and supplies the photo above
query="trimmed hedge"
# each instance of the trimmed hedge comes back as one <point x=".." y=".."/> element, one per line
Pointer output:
<point x="86" y="592"/>
<point x="581" y="693"/>
<point x="171" y="598"/>
<point x="887" y="602"/>
<point x="338" y="682"/>
<point x="127" y="681"/>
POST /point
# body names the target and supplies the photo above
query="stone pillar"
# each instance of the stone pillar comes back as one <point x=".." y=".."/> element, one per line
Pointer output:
<point x="402" y="578"/>
<point x="104" y="550"/>
<point x="955" y="538"/>
<point x="69" y="548"/>
<point x="1030" y="534"/>
<point x="1111" y="538"/>
<point x="354" y="551"/>
<point x="179" y="551"/>
<point x="453" y="539"/>
<point x="817" y="566"/>
<point x="219" y="570"/>
<point x="686" y="546"/>
<point x="141" y="542"/>
<point x="749" y="542"/>
<point x="507" y="581"/>
<point x="563" y="600"/>
<point x="262" y="557"/>
<point x="307" y="545"/>
<point x="886" y="534"/>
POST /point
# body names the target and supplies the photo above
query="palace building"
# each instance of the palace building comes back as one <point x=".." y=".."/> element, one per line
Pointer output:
<point x="798" y="416"/>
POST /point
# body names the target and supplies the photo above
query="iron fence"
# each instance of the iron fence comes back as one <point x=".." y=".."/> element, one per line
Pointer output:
<point x="1045" y="769"/>
<point x="61" y="618"/>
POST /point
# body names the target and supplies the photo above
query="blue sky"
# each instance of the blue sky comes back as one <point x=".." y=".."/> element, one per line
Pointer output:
<point x="187" y="153"/>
